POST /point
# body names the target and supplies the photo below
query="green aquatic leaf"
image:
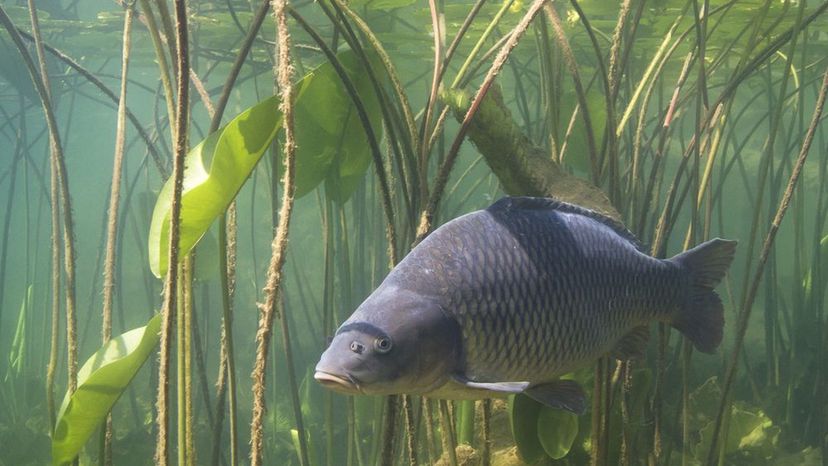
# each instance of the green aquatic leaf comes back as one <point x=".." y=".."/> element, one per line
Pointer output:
<point x="523" y="414"/>
<point x="331" y="145"/>
<point x="557" y="430"/>
<point x="101" y="381"/>
<point x="234" y="150"/>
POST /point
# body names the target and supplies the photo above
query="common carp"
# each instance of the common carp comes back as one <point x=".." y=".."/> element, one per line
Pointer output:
<point x="508" y="299"/>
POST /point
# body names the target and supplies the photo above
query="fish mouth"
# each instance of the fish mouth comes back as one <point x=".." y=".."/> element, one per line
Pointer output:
<point x="347" y="383"/>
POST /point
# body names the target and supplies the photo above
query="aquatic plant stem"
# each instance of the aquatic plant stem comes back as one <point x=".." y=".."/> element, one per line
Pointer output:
<point x="437" y="34"/>
<point x="486" y="450"/>
<point x="105" y="456"/>
<point x="580" y="92"/>
<point x="60" y="195"/>
<point x="171" y="284"/>
<point x="408" y="415"/>
<point x="747" y="306"/>
<point x="227" y="274"/>
<point x="227" y="371"/>
<point x="613" y="78"/>
<point x="284" y="73"/>
<point x="427" y="216"/>
<point x="448" y="437"/>
<point x="160" y="57"/>
<point x="464" y="68"/>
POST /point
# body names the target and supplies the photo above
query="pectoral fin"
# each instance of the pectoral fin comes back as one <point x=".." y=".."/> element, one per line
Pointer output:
<point x="561" y="394"/>
<point x="504" y="387"/>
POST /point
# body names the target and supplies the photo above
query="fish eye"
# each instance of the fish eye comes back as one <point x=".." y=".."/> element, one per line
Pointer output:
<point x="382" y="344"/>
<point x="357" y="347"/>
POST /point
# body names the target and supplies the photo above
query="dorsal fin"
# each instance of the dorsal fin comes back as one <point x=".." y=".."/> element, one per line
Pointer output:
<point x="508" y="203"/>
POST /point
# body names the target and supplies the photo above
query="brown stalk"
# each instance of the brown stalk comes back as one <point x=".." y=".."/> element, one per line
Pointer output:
<point x="580" y="92"/>
<point x="112" y="224"/>
<point x="284" y="72"/>
<point x="171" y="284"/>
<point x="427" y="217"/>
<point x="432" y="96"/>
<point x="60" y="194"/>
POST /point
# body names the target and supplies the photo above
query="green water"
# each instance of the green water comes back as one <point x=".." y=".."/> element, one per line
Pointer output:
<point x="686" y="120"/>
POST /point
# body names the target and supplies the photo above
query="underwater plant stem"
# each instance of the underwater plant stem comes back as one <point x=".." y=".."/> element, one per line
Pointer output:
<point x="181" y="365"/>
<point x="171" y="286"/>
<point x="437" y="34"/>
<point x="408" y="414"/>
<point x="613" y="78"/>
<point x="580" y="92"/>
<point x="161" y="58"/>
<point x="284" y="73"/>
<point x="227" y="245"/>
<point x="389" y="429"/>
<point x="479" y="44"/>
<point x="227" y="274"/>
<point x="427" y="217"/>
<point x="105" y="456"/>
<point x="227" y="371"/>
<point x="744" y="315"/>
<point x="60" y="195"/>
<point x="54" y="339"/>
<point x="461" y="33"/>
<point x="448" y="438"/>
<point x="486" y="451"/>
<point x="241" y="57"/>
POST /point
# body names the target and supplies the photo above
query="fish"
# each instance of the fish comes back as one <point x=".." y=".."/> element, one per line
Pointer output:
<point x="508" y="299"/>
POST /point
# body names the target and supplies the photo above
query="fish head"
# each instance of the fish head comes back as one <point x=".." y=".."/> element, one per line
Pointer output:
<point x="397" y="341"/>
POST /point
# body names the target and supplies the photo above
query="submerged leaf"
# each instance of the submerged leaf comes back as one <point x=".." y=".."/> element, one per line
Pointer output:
<point x="235" y="150"/>
<point x="331" y="141"/>
<point x="101" y="381"/>
<point x="331" y="145"/>
<point x="523" y="414"/>
<point x="557" y="430"/>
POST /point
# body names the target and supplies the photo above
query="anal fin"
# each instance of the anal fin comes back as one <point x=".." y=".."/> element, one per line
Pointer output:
<point x="633" y="344"/>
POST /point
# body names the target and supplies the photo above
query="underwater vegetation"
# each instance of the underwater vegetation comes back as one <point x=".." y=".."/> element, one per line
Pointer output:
<point x="196" y="195"/>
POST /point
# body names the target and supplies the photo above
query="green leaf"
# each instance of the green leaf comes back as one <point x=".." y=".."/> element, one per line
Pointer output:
<point x="331" y="144"/>
<point x="557" y="430"/>
<point x="524" y="413"/>
<point x="235" y="150"/>
<point x="337" y="131"/>
<point x="101" y="381"/>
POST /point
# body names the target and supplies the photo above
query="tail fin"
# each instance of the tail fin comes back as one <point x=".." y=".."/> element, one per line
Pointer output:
<point x="701" y="318"/>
